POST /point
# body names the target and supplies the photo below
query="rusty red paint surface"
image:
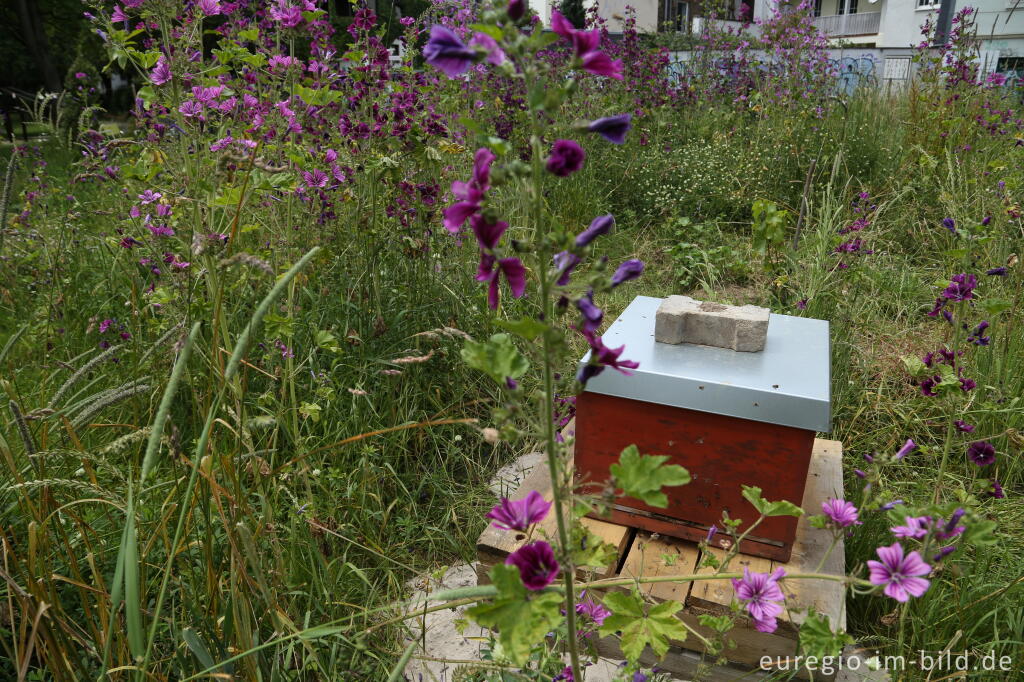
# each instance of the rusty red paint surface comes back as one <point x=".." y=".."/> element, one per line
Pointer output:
<point x="721" y="453"/>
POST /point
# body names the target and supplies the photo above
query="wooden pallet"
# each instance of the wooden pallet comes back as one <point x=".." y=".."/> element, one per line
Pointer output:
<point x="641" y="554"/>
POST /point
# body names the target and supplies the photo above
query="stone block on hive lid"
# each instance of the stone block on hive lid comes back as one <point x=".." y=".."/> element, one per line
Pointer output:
<point x="731" y="417"/>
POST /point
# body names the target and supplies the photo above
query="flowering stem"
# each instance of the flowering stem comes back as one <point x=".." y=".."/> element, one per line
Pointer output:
<point x="547" y="413"/>
<point x="950" y="426"/>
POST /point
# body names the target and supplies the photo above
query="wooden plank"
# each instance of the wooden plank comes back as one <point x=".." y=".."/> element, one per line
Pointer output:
<point x="825" y="480"/>
<point x="652" y="556"/>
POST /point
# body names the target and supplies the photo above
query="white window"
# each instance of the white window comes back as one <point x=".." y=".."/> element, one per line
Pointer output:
<point x="928" y="4"/>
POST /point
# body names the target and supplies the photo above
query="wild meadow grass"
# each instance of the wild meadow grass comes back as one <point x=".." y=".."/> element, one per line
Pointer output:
<point x="237" y="468"/>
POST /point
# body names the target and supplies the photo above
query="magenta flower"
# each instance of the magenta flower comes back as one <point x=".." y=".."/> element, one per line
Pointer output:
<point x="981" y="453"/>
<point x="612" y="128"/>
<point x="916" y="527"/>
<point x="961" y="287"/>
<point x="471" y="193"/>
<point x="519" y="514"/>
<point x="491" y="269"/>
<point x="996" y="490"/>
<point x="600" y="357"/>
<point x="495" y="55"/>
<point x="762" y="597"/>
<point x="592" y="315"/>
<point x="565" y="262"/>
<point x="628" y="271"/>
<point x="190" y="108"/>
<point x="536" y="563"/>
<point x="840" y="513"/>
<point x="209" y="7"/>
<point x="907" y="448"/>
<point x="446" y="52"/>
<point x="149" y="196"/>
<point x="963" y="427"/>
<point x="161" y="73"/>
<point x="118" y="15"/>
<point x="317" y="179"/>
<point x="288" y="15"/>
<point x="598" y="226"/>
<point x="593" y="610"/>
<point x="566" y="158"/>
<point x="585" y="45"/>
<point x="900" y="574"/>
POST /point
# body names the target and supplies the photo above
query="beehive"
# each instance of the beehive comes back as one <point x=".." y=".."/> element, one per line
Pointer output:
<point x="732" y="418"/>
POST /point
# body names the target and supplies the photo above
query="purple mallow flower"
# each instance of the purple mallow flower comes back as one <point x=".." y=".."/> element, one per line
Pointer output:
<point x="470" y="193"/>
<point x="584" y="44"/>
<point x="629" y="270"/>
<point x="594" y="611"/>
<point x="962" y="426"/>
<point x="949" y="224"/>
<point x="566" y="158"/>
<point x="916" y="527"/>
<point x="446" y="52"/>
<point x="981" y="453"/>
<point x="996" y="490"/>
<point x="762" y="597"/>
<point x="600" y="357"/>
<point x="161" y="73"/>
<point x="840" y="513"/>
<point x="900" y="574"/>
<point x="536" y="563"/>
<point x="519" y="514"/>
<point x="997" y="272"/>
<point x="612" y="128"/>
<point x="565" y="262"/>
<point x="592" y="315"/>
<point x="516" y="9"/>
<point x="598" y="226"/>
<point x="908" y="447"/>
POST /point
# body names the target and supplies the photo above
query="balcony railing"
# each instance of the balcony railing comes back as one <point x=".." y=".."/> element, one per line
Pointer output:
<point x="839" y="25"/>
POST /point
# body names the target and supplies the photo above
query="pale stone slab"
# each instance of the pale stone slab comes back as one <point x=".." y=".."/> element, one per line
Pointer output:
<point x="681" y="319"/>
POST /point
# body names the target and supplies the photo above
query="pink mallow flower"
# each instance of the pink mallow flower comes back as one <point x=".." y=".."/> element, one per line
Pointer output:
<point x="762" y="597"/>
<point x="519" y="514"/>
<point x="900" y="574"/>
<point x="840" y="513"/>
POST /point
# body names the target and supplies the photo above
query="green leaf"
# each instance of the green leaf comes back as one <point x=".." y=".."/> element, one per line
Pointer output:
<point x="528" y="328"/>
<point x="995" y="306"/>
<point x="521" y="619"/>
<point x="590" y="550"/>
<point x="720" y="624"/>
<point x="914" y="365"/>
<point x="643" y="476"/>
<point x="497" y="357"/>
<point x="781" y="508"/>
<point x="981" y="533"/>
<point x="251" y="35"/>
<point x="817" y="638"/>
<point x="655" y="628"/>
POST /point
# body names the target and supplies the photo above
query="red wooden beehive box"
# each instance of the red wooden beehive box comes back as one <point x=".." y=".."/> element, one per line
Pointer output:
<point x="732" y="418"/>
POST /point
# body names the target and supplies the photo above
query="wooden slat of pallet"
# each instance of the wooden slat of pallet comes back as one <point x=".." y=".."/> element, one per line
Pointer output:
<point x="654" y="556"/>
<point x="825" y="480"/>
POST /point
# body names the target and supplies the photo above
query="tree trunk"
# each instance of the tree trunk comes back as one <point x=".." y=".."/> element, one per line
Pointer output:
<point x="35" y="39"/>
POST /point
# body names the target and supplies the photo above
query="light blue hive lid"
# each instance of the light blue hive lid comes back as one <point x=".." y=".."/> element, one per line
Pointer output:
<point x="787" y="383"/>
